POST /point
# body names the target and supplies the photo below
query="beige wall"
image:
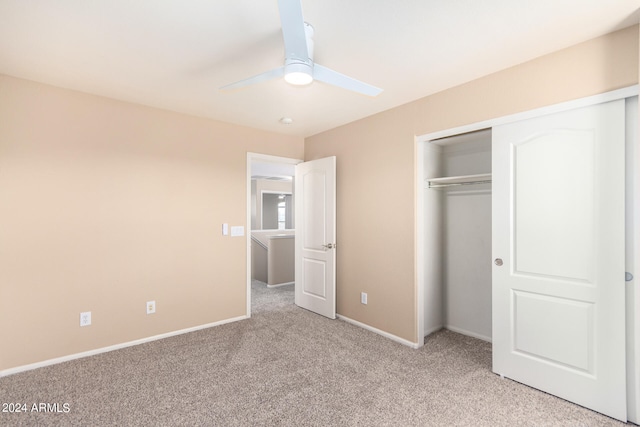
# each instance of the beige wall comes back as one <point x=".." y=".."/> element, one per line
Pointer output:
<point x="376" y="167"/>
<point x="262" y="257"/>
<point x="105" y="205"/>
<point x="281" y="260"/>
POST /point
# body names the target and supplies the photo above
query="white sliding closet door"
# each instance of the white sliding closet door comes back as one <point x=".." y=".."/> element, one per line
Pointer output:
<point x="558" y="245"/>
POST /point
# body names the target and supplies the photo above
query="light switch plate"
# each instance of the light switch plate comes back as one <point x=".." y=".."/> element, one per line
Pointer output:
<point x="237" y="230"/>
<point x="225" y="229"/>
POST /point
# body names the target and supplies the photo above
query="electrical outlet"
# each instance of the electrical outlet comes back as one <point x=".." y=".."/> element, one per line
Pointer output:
<point x="151" y="307"/>
<point x="85" y="318"/>
<point x="363" y="297"/>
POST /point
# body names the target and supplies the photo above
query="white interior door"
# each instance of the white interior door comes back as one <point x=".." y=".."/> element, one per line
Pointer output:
<point x="558" y="245"/>
<point x="315" y="212"/>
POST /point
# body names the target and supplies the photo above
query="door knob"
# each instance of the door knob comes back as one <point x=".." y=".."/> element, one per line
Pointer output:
<point x="498" y="262"/>
<point x="329" y="246"/>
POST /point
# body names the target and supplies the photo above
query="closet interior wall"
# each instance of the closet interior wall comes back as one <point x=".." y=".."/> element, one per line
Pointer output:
<point x="458" y="285"/>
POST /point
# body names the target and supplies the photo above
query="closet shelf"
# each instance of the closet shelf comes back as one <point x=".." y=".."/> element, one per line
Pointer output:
<point x="454" y="181"/>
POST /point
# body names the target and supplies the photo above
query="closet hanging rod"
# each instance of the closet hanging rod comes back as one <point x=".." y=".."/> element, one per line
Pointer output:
<point x="457" y="184"/>
<point x="448" y="181"/>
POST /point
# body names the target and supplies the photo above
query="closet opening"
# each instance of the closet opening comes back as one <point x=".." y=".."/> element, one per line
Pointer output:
<point x="457" y="207"/>
<point x="450" y="183"/>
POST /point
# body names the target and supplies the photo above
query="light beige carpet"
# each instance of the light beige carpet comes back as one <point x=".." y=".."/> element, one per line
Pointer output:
<point x="287" y="366"/>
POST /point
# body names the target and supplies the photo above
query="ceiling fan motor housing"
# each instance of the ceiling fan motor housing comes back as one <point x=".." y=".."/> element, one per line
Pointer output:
<point x="299" y="71"/>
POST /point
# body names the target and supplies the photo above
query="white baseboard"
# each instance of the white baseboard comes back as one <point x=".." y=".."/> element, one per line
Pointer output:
<point x="380" y="332"/>
<point x="62" y="359"/>
<point x="280" y="284"/>
<point x="468" y="333"/>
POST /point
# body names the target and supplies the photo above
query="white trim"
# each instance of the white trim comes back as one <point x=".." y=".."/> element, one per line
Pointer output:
<point x="281" y="236"/>
<point x="273" y="159"/>
<point x="280" y="284"/>
<point x="549" y="109"/>
<point x="635" y="162"/>
<point x="275" y="191"/>
<point x="420" y="245"/>
<point x="380" y="332"/>
<point x="263" y="158"/>
<point x="89" y="353"/>
<point x="632" y="233"/>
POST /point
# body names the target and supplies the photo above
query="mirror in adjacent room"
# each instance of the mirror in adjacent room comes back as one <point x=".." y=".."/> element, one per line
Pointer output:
<point x="272" y="202"/>
<point x="277" y="211"/>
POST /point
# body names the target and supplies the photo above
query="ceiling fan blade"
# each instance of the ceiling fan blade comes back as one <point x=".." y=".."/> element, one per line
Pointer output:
<point x="293" y="32"/>
<point x="267" y="75"/>
<point x="334" y="78"/>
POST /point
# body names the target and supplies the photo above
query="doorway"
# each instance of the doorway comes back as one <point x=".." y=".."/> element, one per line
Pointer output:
<point x="458" y="201"/>
<point x="270" y="181"/>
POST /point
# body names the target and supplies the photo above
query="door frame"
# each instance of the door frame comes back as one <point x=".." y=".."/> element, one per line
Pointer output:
<point x="258" y="157"/>
<point x="422" y="249"/>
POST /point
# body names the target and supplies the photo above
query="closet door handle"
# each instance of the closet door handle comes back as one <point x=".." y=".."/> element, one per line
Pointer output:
<point x="498" y="262"/>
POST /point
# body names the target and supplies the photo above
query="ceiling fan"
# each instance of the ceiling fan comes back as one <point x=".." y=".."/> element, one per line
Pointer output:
<point x="299" y="68"/>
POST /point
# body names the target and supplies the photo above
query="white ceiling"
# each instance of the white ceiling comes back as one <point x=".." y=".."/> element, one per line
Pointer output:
<point x="175" y="54"/>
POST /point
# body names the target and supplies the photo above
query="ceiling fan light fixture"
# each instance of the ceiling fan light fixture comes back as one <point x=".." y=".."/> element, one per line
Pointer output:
<point x="299" y="68"/>
<point x="298" y="74"/>
<point x="298" y="79"/>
